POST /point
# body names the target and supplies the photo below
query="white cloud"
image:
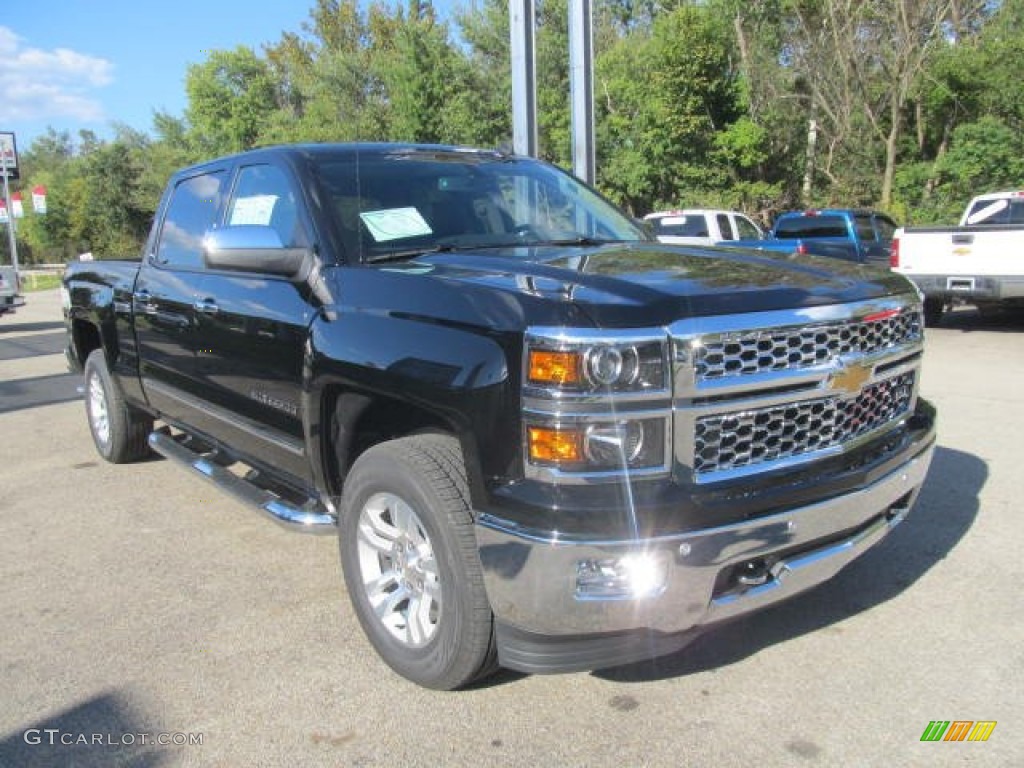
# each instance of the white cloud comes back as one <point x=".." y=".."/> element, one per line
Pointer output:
<point x="44" y="85"/>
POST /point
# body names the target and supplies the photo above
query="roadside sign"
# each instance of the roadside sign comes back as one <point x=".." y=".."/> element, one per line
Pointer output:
<point x="8" y="155"/>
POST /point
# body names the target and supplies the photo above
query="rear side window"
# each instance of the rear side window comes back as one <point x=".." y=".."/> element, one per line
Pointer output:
<point x="811" y="226"/>
<point x="865" y="232"/>
<point x="191" y="213"/>
<point x="885" y="227"/>
<point x="681" y="226"/>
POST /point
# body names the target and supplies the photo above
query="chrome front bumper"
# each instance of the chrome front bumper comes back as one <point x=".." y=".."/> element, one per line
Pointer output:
<point x="531" y="577"/>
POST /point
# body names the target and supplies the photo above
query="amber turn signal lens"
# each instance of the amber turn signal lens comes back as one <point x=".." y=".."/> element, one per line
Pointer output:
<point x="553" y="446"/>
<point x="547" y="367"/>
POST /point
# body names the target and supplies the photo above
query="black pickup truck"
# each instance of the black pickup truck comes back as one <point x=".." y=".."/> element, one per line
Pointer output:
<point x="546" y="441"/>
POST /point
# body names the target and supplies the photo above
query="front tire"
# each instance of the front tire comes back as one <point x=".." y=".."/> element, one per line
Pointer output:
<point x="408" y="552"/>
<point x="119" y="431"/>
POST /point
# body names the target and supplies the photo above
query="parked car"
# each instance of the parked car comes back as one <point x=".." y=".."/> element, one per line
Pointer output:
<point x="702" y="226"/>
<point x="544" y="440"/>
<point x="10" y="287"/>
<point x="861" y="236"/>
<point x="977" y="262"/>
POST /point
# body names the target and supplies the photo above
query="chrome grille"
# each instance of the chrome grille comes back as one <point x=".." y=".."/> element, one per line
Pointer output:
<point x="734" y="440"/>
<point x="762" y="351"/>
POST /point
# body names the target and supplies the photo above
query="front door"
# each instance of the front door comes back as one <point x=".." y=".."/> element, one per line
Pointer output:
<point x="253" y="330"/>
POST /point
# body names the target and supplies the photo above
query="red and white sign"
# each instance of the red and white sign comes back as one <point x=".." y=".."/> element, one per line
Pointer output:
<point x="16" y="205"/>
<point x="8" y="156"/>
<point x="39" y="198"/>
<point x="3" y="210"/>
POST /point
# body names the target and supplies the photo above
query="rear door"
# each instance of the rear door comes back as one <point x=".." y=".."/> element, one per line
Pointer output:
<point x="164" y="301"/>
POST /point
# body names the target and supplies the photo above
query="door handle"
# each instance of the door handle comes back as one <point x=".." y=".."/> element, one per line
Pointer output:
<point x="206" y="306"/>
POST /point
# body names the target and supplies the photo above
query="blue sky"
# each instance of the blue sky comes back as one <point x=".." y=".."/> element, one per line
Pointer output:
<point x="74" y="64"/>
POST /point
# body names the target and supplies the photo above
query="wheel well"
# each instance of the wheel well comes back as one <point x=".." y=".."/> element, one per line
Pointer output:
<point x="86" y="338"/>
<point x="359" y="422"/>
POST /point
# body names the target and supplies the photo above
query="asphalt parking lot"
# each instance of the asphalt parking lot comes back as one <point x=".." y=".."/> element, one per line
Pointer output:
<point x="141" y="605"/>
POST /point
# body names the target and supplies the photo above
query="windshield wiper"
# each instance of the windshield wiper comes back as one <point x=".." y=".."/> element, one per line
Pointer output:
<point x="578" y="240"/>
<point x="408" y="253"/>
<point x="412" y="253"/>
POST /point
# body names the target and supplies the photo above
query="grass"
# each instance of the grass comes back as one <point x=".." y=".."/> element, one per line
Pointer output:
<point x="39" y="282"/>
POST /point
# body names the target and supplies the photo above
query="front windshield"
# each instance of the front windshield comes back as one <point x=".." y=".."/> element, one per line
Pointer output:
<point x="393" y="204"/>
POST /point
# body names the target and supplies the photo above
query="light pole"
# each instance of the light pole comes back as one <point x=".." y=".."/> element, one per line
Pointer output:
<point x="10" y="222"/>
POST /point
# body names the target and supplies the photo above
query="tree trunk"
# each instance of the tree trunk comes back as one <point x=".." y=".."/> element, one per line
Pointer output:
<point x="891" y="144"/>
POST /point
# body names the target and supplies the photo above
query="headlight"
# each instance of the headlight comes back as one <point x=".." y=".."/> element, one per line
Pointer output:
<point x="596" y="403"/>
<point x="598" y="367"/>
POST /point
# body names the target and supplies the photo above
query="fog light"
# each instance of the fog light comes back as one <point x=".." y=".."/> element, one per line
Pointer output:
<point x="631" y="577"/>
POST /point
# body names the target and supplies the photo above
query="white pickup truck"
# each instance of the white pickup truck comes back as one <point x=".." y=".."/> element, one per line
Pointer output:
<point x="702" y="226"/>
<point x="9" y="287"/>
<point x="978" y="262"/>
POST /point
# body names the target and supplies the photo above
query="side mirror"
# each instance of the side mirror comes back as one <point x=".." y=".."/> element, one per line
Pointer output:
<point x="252" y="248"/>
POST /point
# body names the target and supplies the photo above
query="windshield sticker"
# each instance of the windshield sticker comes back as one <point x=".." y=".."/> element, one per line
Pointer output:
<point x="670" y="221"/>
<point x="256" y="209"/>
<point x="395" y="224"/>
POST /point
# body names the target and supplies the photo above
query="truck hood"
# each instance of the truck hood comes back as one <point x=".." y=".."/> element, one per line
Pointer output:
<point x="654" y="283"/>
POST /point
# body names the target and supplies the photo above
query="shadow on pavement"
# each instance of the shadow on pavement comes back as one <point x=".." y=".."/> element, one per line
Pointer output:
<point x="32" y="346"/>
<point x="103" y="731"/>
<point x="967" y="320"/>
<point x="943" y="514"/>
<point x="42" y="390"/>
<point x="13" y="326"/>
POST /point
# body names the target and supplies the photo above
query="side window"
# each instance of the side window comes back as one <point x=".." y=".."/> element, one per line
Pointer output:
<point x="191" y="213"/>
<point x="264" y="196"/>
<point x="724" y="227"/>
<point x="1016" y="212"/>
<point x="865" y="232"/>
<point x="747" y="229"/>
<point x="885" y="227"/>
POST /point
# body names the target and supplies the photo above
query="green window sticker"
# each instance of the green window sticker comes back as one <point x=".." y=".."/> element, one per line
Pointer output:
<point x="395" y="224"/>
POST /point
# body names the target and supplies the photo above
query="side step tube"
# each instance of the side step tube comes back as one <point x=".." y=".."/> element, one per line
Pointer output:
<point x="280" y="511"/>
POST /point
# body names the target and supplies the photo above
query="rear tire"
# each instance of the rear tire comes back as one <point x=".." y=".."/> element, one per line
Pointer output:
<point x="119" y="431"/>
<point x="933" y="309"/>
<point x="408" y="552"/>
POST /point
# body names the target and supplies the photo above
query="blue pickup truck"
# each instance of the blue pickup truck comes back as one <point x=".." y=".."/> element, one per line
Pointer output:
<point x="861" y="236"/>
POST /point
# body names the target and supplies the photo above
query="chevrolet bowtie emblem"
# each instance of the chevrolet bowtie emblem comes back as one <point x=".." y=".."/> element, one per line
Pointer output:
<point x="850" y="379"/>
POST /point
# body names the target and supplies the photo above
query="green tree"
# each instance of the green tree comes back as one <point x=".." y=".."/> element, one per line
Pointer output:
<point x="230" y="100"/>
<point x="665" y="96"/>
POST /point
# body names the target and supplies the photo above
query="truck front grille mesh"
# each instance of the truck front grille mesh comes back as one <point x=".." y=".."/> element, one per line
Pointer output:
<point x="735" y="440"/>
<point x="750" y="352"/>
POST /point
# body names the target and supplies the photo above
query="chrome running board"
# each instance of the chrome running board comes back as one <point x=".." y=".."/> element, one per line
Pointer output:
<point x="309" y="517"/>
